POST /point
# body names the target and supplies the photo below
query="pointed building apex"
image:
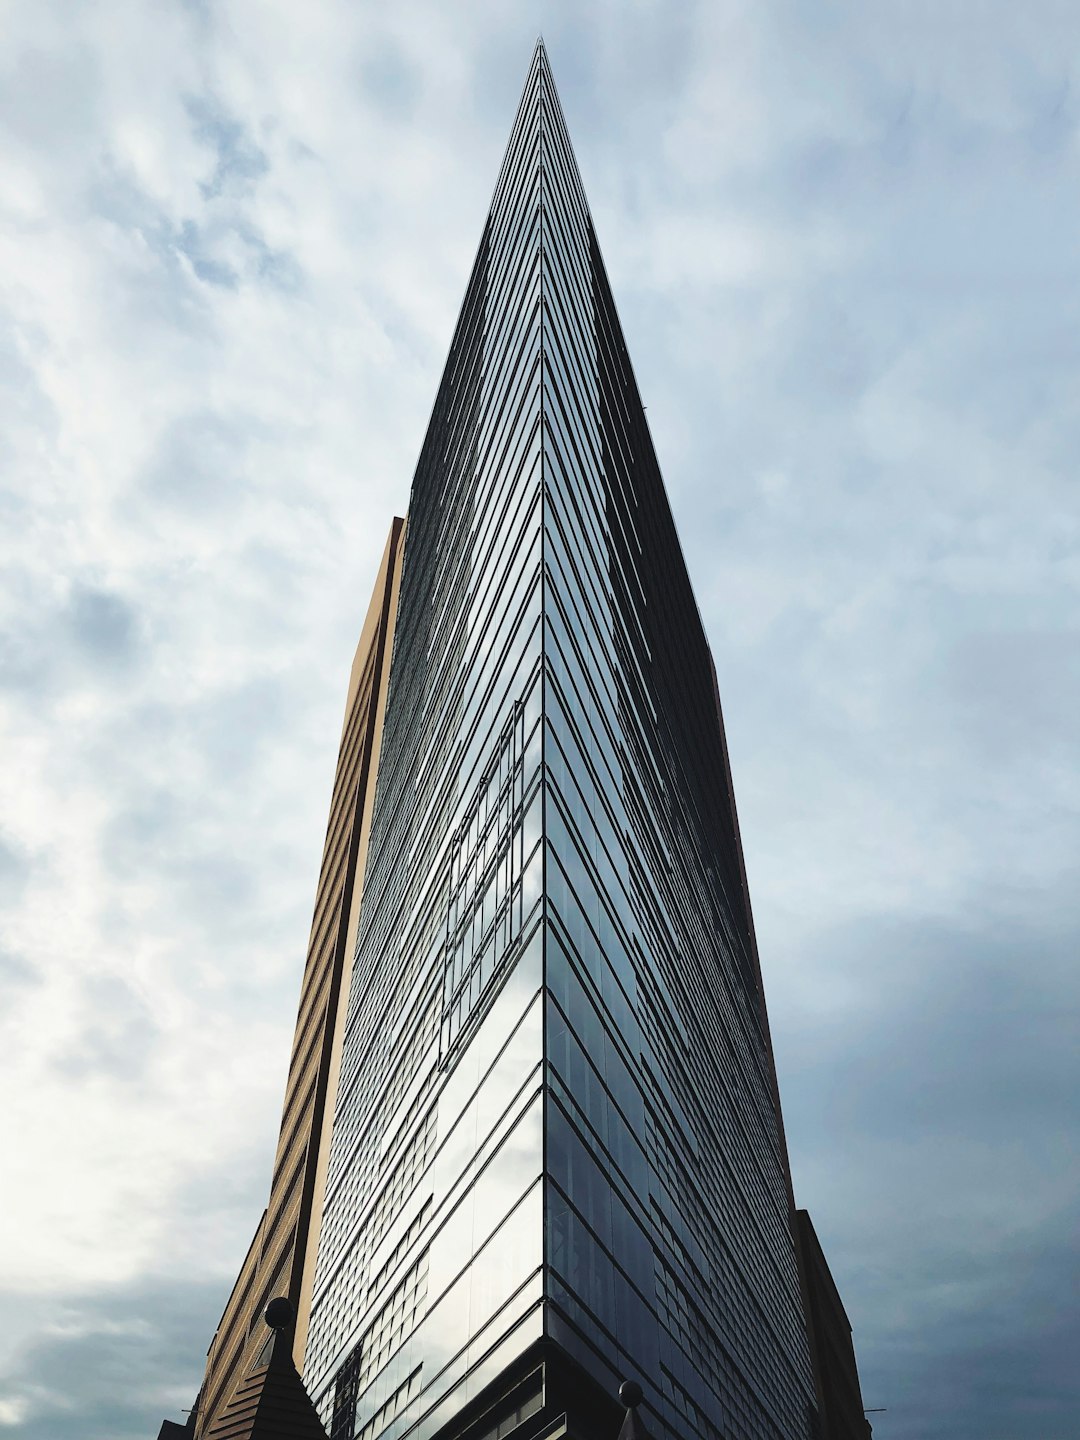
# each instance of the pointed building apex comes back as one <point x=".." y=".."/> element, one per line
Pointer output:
<point x="540" y="56"/>
<point x="539" y="140"/>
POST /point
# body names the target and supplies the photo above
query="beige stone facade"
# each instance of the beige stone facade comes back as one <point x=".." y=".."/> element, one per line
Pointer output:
<point x="281" y="1258"/>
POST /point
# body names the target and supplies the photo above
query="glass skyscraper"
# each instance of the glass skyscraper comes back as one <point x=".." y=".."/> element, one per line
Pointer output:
<point x="557" y="1157"/>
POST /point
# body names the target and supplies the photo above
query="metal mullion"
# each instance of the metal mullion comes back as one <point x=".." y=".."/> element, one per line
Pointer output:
<point x="581" y="575"/>
<point x="518" y="548"/>
<point x="585" y="564"/>
<point x="559" y="256"/>
<point x="512" y="256"/>
<point x="587" y="438"/>
<point x="462" y="351"/>
<point x="558" y="430"/>
<point x="579" y="379"/>
<point x="508" y="283"/>
<point x="574" y="321"/>
<point x="567" y="246"/>
<point x="576" y="327"/>
<point x="506" y="535"/>
<point x="520" y="438"/>
<point x="515" y="502"/>
<point x="510" y="353"/>
<point x="506" y="439"/>
<point x="457" y="432"/>
<point x="565" y="204"/>
<point x="602" y="721"/>
<point x="557" y="136"/>
<point x="620" y="470"/>
<point x="496" y="673"/>
<point x="514" y="352"/>
<point x="567" y="592"/>
<point x="528" y="110"/>
<point x="526" y="337"/>
<point x="509" y="227"/>
<point x="508" y="630"/>
<point x="505" y="217"/>
<point x="476" y="709"/>
<point x="563" y="200"/>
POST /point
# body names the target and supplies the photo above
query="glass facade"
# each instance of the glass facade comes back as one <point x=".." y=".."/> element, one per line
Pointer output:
<point x="556" y="1120"/>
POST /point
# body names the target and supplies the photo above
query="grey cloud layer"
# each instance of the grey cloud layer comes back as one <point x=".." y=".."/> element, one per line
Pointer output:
<point x="844" y="246"/>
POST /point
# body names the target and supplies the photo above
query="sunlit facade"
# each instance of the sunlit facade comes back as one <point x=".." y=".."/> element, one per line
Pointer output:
<point x="557" y="1158"/>
<point x="280" y="1259"/>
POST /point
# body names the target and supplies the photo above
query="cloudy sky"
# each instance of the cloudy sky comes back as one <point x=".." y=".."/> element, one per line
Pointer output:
<point x="844" y="240"/>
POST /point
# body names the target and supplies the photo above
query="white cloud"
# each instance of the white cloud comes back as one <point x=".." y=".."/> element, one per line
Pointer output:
<point x="13" y="1411"/>
<point x="233" y="243"/>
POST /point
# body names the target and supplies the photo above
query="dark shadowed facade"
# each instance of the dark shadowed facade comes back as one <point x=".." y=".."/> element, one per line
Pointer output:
<point x="831" y="1347"/>
<point x="557" y="1156"/>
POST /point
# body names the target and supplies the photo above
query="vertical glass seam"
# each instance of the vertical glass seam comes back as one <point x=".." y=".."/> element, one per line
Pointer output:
<point x="544" y="1103"/>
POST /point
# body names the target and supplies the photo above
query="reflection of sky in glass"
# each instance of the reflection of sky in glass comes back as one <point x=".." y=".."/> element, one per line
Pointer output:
<point x="451" y="892"/>
<point x="552" y="864"/>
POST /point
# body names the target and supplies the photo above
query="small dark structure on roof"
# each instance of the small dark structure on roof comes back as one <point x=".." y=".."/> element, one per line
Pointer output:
<point x="270" y="1402"/>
